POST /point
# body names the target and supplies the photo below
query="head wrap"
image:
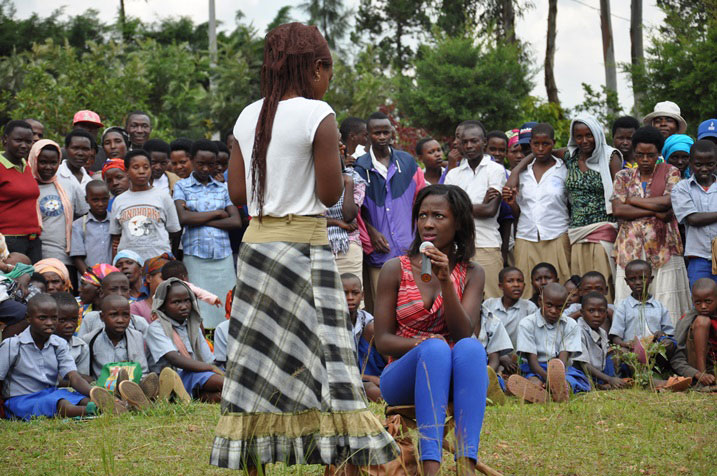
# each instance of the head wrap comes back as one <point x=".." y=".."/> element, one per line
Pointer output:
<point x="97" y="273"/>
<point x="64" y="198"/>
<point x="513" y="136"/>
<point x="676" y="142"/>
<point x="54" y="265"/>
<point x="112" y="164"/>
<point x="129" y="254"/>
<point x="120" y="130"/>
<point x="599" y="161"/>
<point x="194" y="320"/>
<point x="155" y="264"/>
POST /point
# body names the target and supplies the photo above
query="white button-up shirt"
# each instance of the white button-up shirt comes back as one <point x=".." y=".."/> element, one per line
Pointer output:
<point x="476" y="183"/>
<point x="543" y="205"/>
<point x="65" y="176"/>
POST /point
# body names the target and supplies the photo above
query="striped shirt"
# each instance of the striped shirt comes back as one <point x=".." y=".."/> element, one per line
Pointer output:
<point x="413" y="319"/>
<point x="339" y="238"/>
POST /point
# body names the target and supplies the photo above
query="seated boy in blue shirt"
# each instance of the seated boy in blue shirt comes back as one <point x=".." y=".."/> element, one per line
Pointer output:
<point x="370" y="362"/>
<point x="176" y="340"/>
<point x="31" y="364"/>
<point x="68" y="313"/>
<point x="594" y="357"/>
<point x="548" y="340"/>
<point x="115" y="283"/>
<point x="640" y="315"/>
<point x="590" y="282"/>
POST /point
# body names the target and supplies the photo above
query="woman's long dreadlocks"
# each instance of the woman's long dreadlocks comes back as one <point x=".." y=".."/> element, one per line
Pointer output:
<point x="290" y="52"/>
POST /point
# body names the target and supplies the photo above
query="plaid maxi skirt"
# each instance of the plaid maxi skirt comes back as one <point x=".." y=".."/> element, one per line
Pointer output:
<point x="292" y="391"/>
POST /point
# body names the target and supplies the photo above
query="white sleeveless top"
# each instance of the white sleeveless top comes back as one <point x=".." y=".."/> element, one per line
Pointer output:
<point x="290" y="186"/>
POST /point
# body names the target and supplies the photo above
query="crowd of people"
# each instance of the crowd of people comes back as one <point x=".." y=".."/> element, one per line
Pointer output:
<point x="135" y="269"/>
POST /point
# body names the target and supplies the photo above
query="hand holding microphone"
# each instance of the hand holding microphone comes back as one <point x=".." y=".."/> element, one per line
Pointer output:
<point x="425" y="261"/>
<point x="433" y="262"/>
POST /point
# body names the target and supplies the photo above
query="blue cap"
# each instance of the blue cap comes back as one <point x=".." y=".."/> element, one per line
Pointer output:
<point x="707" y="129"/>
<point x="526" y="132"/>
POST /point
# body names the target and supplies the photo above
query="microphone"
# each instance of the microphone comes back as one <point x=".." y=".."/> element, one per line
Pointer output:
<point x="425" y="262"/>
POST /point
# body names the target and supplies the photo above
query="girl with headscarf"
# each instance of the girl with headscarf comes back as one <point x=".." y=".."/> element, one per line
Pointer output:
<point x="592" y="165"/>
<point x="289" y="328"/>
<point x="57" y="204"/>
<point x="116" y="178"/>
<point x="56" y="274"/>
<point x="676" y="152"/>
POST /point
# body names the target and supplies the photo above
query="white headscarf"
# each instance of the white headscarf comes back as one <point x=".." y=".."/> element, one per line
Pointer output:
<point x="599" y="161"/>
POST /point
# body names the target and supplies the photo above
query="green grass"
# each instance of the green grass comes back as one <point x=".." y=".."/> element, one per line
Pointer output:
<point x="630" y="432"/>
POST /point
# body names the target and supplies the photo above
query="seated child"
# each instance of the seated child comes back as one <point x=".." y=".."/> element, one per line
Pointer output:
<point x="221" y="338"/>
<point x="594" y="357"/>
<point x="541" y="275"/>
<point x="115" y="341"/>
<point x="640" y="314"/>
<point x="591" y="281"/>
<point x="175" y="339"/>
<point x="696" y="336"/>
<point x="115" y="283"/>
<point x="67" y="317"/>
<point x="548" y="340"/>
<point x="572" y="286"/>
<point x="177" y="269"/>
<point x="510" y="309"/>
<point x="370" y="362"/>
<point x="32" y="362"/>
<point x="495" y="339"/>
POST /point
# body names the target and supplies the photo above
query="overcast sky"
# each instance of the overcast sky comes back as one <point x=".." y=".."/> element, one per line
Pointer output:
<point x="578" y="58"/>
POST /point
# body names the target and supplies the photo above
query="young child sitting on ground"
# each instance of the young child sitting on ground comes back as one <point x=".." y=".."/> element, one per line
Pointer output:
<point x="67" y="317"/>
<point x="594" y="357"/>
<point x="115" y="283"/>
<point x="541" y="275"/>
<point x="510" y="309"/>
<point x="548" y="340"/>
<point x="175" y="339"/>
<point x="495" y="339"/>
<point x="640" y="315"/>
<point x="696" y="335"/>
<point x="370" y="362"/>
<point x="590" y="282"/>
<point x="31" y="364"/>
<point x="117" y="342"/>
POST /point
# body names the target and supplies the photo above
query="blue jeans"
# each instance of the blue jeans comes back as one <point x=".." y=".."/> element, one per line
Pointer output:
<point x="699" y="268"/>
<point x="423" y="378"/>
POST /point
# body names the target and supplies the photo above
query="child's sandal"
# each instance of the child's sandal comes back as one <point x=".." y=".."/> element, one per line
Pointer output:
<point x="526" y="390"/>
<point x="495" y="394"/>
<point x="557" y="385"/>
<point x="103" y="399"/>
<point x="133" y="394"/>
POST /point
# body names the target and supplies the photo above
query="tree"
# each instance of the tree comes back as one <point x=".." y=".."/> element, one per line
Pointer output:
<point x="330" y="16"/>
<point x="550" y="86"/>
<point x="389" y="24"/>
<point x="637" y="52"/>
<point x="608" y="47"/>
<point x="456" y="17"/>
<point x="461" y="78"/>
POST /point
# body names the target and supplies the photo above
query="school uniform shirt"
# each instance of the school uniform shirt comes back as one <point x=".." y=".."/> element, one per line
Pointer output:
<point x="18" y="199"/>
<point x="536" y="336"/>
<point x="631" y="319"/>
<point x="67" y="178"/>
<point x="144" y="220"/>
<point x="25" y="368"/>
<point x="54" y="236"/>
<point x="543" y="205"/>
<point x="159" y="345"/>
<point x="390" y="192"/>
<point x="103" y="351"/>
<point x="221" y="337"/>
<point x="80" y="354"/>
<point x="595" y="345"/>
<point x="363" y="318"/>
<point x="512" y="316"/>
<point x="91" y="239"/>
<point x="493" y="335"/>
<point x="476" y="183"/>
<point x="205" y="242"/>
<point x="689" y="197"/>
<point x="92" y="321"/>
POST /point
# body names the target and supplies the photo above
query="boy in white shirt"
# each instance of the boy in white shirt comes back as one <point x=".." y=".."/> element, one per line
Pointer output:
<point x="541" y="205"/>
<point x="482" y="179"/>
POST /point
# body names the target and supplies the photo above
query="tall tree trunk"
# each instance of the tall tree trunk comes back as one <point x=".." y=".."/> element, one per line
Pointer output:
<point x="608" y="46"/>
<point x="637" y="53"/>
<point x="123" y="22"/>
<point x="509" y="20"/>
<point x="550" y="86"/>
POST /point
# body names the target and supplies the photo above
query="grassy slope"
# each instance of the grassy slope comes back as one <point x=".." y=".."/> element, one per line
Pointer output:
<point x="617" y="433"/>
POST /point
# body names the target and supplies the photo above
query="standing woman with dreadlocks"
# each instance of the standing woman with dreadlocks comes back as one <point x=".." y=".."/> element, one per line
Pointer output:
<point x="292" y="391"/>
